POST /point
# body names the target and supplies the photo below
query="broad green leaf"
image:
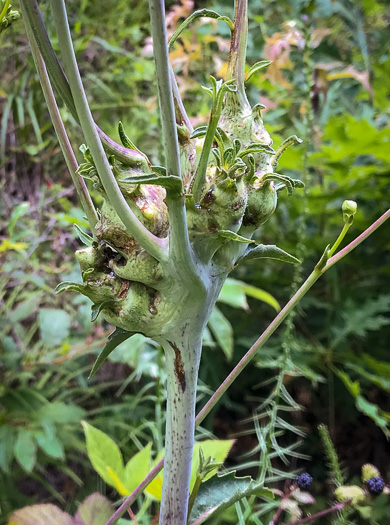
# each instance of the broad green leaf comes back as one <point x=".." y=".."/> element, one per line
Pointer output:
<point x="103" y="452"/>
<point x="220" y="492"/>
<point x="137" y="468"/>
<point x="54" y="325"/>
<point x="270" y="251"/>
<point x="25" y="449"/>
<point x="114" y="340"/>
<point x="94" y="510"/>
<point x="222" y="331"/>
<point x="39" y="515"/>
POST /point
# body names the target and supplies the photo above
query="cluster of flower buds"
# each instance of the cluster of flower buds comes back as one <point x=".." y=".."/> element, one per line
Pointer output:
<point x="373" y="485"/>
<point x="7" y="15"/>
<point x="230" y="191"/>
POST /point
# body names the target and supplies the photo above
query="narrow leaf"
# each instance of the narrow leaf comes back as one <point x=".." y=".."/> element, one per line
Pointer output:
<point x="114" y="340"/>
<point x="84" y="237"/>
<point x="227" y="234"/>
<point x="267" y="251"/>
<point x="69" y="285"/>
<point x="96" y="309"/>
<point x="257" y="67"/>
<point x="170" y="182"/>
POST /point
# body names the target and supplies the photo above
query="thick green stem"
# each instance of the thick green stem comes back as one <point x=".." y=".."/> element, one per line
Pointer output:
<point x="152" y="244"/>
<point x="66" y="148"/>
<point x="182" y="362"/>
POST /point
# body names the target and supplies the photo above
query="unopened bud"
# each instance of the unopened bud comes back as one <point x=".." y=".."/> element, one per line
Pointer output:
<point x="369" y="471"/>
<point x="349" y="209"/>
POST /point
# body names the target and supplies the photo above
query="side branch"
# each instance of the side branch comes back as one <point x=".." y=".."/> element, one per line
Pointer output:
<point x="66" y="148"/>
<point x="33" y="19"/>
<point x="152" y="244"/>
<point x="315" y="275"/>
<point x="179" y="243"/>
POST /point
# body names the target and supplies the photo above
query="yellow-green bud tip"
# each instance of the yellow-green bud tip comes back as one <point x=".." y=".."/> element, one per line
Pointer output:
<point x="369" y="471"/>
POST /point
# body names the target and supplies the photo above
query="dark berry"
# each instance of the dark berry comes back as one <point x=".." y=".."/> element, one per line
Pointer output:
<point x="304" y="481"/>
<point x="375" y="486"/>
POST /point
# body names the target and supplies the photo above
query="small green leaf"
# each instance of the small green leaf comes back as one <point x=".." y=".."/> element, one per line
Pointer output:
<point x="137" y="468"/>
<point x="69" y="285"/>
<point x="51" y="445"/>
<point x="25" y="449"/>
<point x="84" y="237"/>
<point x="257" y="67"/>
<point x="227" y="234"/>
<point x="7" y="439"/>
<point x="103" y="452"/>
<point x="114" y="340"/>
<point x="220" y="492"/>
<point x="267" y="251"/>
<point x="97" y="308"/>
<point x="169" y="182"/>
<point x="222" y="331"/>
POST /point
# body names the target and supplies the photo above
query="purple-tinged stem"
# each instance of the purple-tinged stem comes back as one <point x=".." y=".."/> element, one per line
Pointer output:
<point x="308" y="519"/>
<point x="252" y="351"/>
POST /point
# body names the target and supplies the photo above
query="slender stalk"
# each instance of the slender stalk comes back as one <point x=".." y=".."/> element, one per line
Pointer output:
<point x="32" y="17"/>
<point x="252" y="351"/>
<point x="237" y="55"/>
<point x="167" y="110"/>
<point x="5" y="9"/>
<point x="152" y="244"/>
<point x="66" y="148"/>
<point x="179" y="243"/>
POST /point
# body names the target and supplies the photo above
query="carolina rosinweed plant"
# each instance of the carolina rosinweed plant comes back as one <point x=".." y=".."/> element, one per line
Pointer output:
<point x="166" y="237"/>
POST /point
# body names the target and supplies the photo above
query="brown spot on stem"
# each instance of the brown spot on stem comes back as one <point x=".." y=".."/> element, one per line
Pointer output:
<point x="179" y="367"/>
<point x="124" y="289"/>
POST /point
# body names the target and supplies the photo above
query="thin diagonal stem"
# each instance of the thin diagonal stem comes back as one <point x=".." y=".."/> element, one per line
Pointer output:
<point x="66" y="148"/>
<point x="33" y="18"/>
<point x="152" y="244"/>
<point x="252" y="351"/>
<point x="179" y="244"/>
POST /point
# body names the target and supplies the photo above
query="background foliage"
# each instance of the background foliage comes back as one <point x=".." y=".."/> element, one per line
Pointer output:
<point x="332" y="355"/>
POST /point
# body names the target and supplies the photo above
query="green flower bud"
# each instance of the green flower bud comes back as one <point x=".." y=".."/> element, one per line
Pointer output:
<point x="349" y="210"/>
<point x="9" y="18"/>
<point x="352" y="492"/>
<point x="262" y="200"/>
<point x="369" y="471"/>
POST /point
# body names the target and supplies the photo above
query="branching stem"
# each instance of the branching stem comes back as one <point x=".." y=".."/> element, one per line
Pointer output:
<point x="152" y="244"/>
<point x="66" y="148"/>
<point x="314" y="276"/>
